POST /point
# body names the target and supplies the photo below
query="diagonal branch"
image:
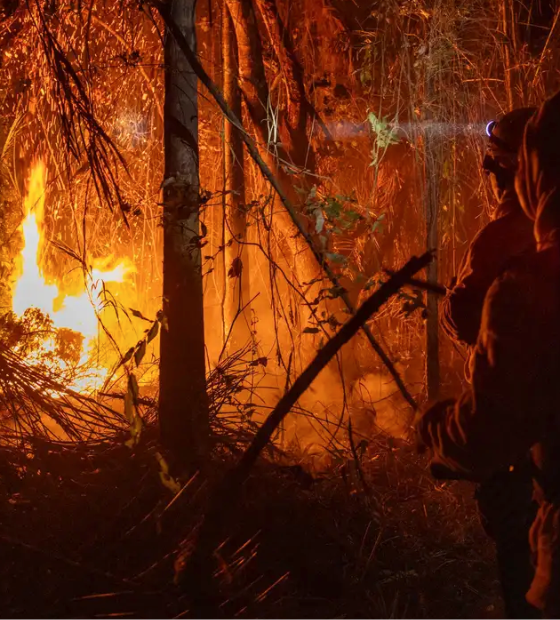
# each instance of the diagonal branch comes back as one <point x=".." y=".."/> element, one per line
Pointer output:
<point x="267" y="173"/>
<point x="323" y="357"/>
<point x="226" y="495"/>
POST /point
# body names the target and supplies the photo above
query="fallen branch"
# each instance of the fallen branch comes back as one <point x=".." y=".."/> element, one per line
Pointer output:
<point x="227" y="493"/>
<point x="267" y="173"/>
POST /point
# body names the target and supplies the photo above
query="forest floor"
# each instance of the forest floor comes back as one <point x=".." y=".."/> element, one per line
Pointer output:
<point x="92" y="532"/>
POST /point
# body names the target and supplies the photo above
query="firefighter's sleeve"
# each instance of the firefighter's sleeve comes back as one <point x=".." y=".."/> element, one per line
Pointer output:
<point x="462" y="306"/>
<point x="496" y="420"/>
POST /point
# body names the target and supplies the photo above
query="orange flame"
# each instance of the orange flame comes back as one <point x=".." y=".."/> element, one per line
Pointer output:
<point x="79" y="313"/>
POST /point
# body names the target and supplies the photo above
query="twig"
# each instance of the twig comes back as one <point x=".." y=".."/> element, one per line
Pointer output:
<point x="357" y="462"/>
<point x="267" y="173"/>
<point x="147" y="402"/>
<point x="227" y="493"/>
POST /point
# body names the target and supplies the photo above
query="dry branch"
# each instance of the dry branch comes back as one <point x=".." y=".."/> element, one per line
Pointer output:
<point x="34" y="404"/>
<point x="267" y="173"/>
<point x="227" y="493"/>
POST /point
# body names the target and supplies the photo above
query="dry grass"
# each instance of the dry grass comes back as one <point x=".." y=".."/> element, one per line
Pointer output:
<point x="93" y="533"/>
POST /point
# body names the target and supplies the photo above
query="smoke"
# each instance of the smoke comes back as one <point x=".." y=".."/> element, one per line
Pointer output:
<point x="346" y="130"/>
<point x="377" y="407"/>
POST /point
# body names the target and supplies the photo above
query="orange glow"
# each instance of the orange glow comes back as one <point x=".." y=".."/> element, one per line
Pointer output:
<point x="81" y="312"/>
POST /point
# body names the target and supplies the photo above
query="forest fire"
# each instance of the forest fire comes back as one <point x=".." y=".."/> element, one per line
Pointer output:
<point x="246" y="249"/>
<point x="76" y="311"/>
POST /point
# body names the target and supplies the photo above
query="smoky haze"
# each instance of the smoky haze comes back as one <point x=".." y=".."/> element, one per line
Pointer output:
<point x="346" y="130"/>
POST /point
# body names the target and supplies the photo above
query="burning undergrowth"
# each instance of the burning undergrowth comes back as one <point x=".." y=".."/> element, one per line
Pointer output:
<point x="37" y="406"/>
<point x="301" y="546"/>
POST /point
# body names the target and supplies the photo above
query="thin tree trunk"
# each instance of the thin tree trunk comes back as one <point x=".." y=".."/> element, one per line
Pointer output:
<point x="237" y="329"/>
<point x="432" y="152"/>
<point x="183" y="404"/>
<point x="432" y="243"/>
<point x="252" y="77"/>
<point x="507" y="54"/>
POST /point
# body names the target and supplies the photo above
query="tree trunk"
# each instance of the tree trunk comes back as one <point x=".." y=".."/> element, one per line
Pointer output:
<point x="183" y="404"/>
<point x="432" y="158"/>
<point x="256" y="95"/>
<point x="507" y="54"/>
<point x="293" y="132"/>
<point x="432" y="243"/>
<point x="237" y="327"/>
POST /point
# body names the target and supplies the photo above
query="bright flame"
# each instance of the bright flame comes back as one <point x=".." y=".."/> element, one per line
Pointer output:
<point x="79" y="313"/>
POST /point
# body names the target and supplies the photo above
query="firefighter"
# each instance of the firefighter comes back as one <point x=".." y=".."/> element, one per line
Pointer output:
<point x="505" y="501"/>
<point x="513" y="403"/>
<point x="508" y="234"/>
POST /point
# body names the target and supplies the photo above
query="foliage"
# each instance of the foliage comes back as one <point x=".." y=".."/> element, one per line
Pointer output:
<point x="385" y="136"/>
<point x="33" y="336"/>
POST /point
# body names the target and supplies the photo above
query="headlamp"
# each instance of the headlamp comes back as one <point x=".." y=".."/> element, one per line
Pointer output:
<point x="490" y="128"/>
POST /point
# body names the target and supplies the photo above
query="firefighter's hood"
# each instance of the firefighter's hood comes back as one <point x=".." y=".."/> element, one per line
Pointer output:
<point x="538" y="177"/>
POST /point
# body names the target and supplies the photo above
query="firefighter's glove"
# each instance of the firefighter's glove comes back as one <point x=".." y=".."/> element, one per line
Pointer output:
<point x="428" y="420"/>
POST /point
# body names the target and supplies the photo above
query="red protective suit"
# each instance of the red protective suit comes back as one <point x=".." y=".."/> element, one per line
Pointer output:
<point x="507" y="236"/>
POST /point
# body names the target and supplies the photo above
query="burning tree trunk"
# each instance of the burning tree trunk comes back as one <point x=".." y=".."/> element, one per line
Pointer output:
<point x="237" y="274"/>
<point x="256" y="95"/>
<point x="184" y="424"/>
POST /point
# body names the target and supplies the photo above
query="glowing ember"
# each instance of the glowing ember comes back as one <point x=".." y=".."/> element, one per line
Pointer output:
<point x="79" y="313"/>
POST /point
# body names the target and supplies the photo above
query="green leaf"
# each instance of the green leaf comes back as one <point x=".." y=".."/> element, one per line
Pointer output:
<point x="140" y="352"/>
<point x="154" y="329"/>
<point x="353" y="216"/>
<point x="385" y="136"/>
<point x="319" y="220"/>
<point x="378" y="224"/>
<point x="333" y="208"/>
